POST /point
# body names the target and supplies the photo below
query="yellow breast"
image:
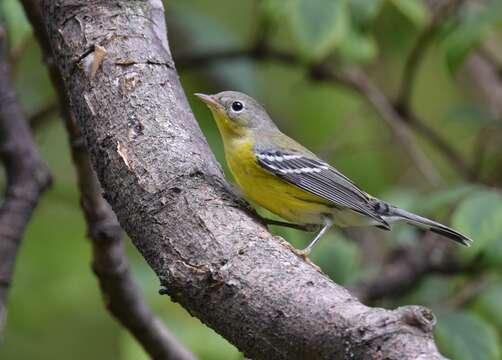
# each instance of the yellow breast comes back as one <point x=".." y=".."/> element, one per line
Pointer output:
<point x="268" y="190"/>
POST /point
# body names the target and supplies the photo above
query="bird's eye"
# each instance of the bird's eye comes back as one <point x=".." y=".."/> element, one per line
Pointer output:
<point x="237" y="106"/>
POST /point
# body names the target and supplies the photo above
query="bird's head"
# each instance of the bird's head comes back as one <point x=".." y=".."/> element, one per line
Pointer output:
<point x="236" y="113"/>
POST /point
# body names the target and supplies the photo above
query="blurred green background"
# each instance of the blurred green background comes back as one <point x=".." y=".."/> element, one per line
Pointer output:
<point x="55" y="308"/>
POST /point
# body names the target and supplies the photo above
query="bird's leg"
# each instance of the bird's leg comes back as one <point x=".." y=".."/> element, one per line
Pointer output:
<point x="327" y="224"/>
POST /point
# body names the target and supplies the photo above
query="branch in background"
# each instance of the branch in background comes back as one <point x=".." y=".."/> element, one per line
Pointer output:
<point x="440" y="10"/>
<point x="27" y="176"/>
<point x="258" y="52"/>
<point x="488" y="54"/>
<point x="470" y="290"/>
<point x="483" y="74"/>
<point x="455" y="158"/>
<point x="406" y="266"/>
<point x="400" y="120"/>
<point x="168" y="192"/>
<point x="120" y="291"/>
<point x="43" y="116"/>
<point x="361" y="83"/>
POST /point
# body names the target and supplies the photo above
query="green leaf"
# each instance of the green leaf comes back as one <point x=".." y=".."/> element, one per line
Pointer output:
<point x="470" y="114"/>
<point x="487" y="305"/>
<point x="402" y="197"/>
<point x="364" y="11"/>
<point x="480" y="217"/>
<point x="465" y="336"/>
<point x="206" y="33"/>
<point x="130" y="349"/>
<point x="272" y="11"/>
<point x="414" y="10"/>
<point x="358" y="47"/>
<point x="319" y="26"/>
<point x="472" y="26"/>
<point x="428" y="203"/>
<point x="432" y="291"/>
<point x="18" y="27"/>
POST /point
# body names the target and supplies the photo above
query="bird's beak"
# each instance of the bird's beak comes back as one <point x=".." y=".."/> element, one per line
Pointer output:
<point x="209" y="100"/>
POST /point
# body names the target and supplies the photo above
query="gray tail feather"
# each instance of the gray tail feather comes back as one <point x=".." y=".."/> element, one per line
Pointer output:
<point x="395" y="213"/>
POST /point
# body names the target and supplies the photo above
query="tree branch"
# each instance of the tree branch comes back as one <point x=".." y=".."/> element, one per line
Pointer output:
<point x="170" y="196"/>
<point x="120" y="291"/>
<point x="455" y="158"/>
<point x="27" y="176"/>
<point x="42" y="116"/>
<point x="401" y="119"/>
<point x="439" y="10"/>
<point x="405" y="267"/>
<point x="484" y="75"/>
<point x="361" y="83"/>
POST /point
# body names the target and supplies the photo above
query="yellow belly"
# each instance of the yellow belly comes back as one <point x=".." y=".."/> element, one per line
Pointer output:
<point x="272" y="193"/>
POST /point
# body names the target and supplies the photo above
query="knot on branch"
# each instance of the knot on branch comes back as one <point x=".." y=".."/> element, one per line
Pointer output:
<point x="104" y="231"/>
<point x="418" y="316"/>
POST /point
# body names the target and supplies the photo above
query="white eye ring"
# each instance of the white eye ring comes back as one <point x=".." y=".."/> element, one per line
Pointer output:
<point x="237" y="106"/>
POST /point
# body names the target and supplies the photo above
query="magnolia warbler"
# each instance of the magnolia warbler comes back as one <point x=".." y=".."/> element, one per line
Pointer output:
<point x="284" y="177"/>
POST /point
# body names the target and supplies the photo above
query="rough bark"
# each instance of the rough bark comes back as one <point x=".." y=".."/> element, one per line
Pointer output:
<point x="210" y="254"/>
<point x="120" y="291"/>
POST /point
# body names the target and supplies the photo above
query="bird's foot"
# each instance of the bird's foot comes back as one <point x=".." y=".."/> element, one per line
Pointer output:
<point x="300" y="253"/>
<point x="303" y="253"/>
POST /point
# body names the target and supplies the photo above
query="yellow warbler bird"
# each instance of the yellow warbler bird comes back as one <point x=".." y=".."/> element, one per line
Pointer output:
<point x="289" y="180"/>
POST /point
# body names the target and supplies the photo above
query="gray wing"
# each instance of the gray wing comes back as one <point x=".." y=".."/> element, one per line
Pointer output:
<point x="319" y="178"/>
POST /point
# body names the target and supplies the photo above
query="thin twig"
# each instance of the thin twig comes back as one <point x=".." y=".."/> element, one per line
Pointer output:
<point x="40" y="118"/>
<point x="27" y="176"/>
<point x="258" y="52"/>
<point x="405" y="267"/>
<point x="491" y="58"/>
<point x="455" y="158"/>
<point x="440" y="11"/>
<point x="469" y="291"/>
<point x="484" y="78"/>
<point x="361" y="83"/>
